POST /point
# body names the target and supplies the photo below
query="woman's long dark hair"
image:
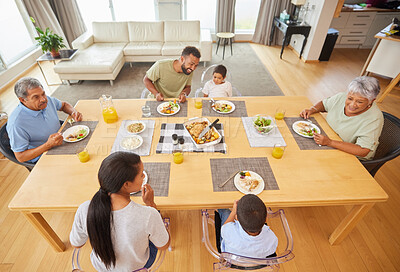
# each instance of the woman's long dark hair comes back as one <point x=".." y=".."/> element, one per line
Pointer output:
<point x="114" y="171"/>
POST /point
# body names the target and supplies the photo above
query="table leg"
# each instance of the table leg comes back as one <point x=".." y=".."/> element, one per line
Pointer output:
<point x="391" y="85"/>
<point x="349" y="222"/>
<point x="271" y="37"/>
<point x="302" y="47"/>
<point x="283" y="45"/>
<point x="41" y="225"/>
<point x="41" y="70"/>
<point x="223" y="52"/>
<point x="231" y="46"/>
<point x="219" y="40"/>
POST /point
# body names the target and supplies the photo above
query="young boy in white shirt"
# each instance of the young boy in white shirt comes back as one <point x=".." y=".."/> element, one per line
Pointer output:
<point x="218" y="87"/>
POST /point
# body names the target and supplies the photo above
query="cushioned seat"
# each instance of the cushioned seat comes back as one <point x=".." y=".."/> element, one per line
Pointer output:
<point x="143" y="48"/>
<point x="175" y="48"/>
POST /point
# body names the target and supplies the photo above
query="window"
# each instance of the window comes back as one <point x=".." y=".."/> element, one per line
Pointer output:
<point x="17" y="34"/>
<point x="94" y="11"/>
<point x="246" y="12"/>
<point x="204" y="11"/>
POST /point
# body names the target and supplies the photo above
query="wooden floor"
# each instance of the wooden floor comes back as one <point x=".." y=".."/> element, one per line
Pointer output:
<point x="374" y="245"/>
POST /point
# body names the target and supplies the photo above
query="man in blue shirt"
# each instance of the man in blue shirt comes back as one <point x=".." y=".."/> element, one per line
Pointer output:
<point x="32" y="127"/>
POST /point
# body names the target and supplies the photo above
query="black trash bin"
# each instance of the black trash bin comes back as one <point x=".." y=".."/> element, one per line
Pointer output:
<point x="330" y="41"/>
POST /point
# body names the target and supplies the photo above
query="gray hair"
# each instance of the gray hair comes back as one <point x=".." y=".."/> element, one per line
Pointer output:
<point x="24" y="84"/>
<point x="365" y="86"/>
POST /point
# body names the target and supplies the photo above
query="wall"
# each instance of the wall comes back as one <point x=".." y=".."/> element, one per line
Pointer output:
<point x="319" y="18"/>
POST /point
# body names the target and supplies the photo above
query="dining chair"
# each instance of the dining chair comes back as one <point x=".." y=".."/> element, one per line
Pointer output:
<point x="6" y="150"/>
<point x="389" y="144"/>
<point x="145" y="94"/>
<point x="154" y="267"/>
<point x="231" y="262"/>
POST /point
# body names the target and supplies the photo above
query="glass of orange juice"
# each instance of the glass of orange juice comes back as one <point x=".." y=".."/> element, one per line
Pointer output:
<point x="277" y="151"/>
<point x="177" y="156"/>
<point x="83" y="154"/>
<point x="198" y="103"/>
<point x="279" y="113"/>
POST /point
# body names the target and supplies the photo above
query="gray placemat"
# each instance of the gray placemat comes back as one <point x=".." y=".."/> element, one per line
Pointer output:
<point x="258" y="140"/>
<point x="71" y="148"/>
<point x="240" y="109"/>
<point x="147" y="135"/>
<point x="221" y="169"/>
<point x="165" y="144"/>
<point x="158" y="177"/>
<point x="154" y="113"/>
<point x="303" y="142"/>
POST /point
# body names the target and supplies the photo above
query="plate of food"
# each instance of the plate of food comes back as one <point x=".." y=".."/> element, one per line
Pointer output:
<point x="195" y="126"/>
<point x="76" y="133"/>
<point x="223" y="106"/>
<point x="168" y="108"/>
<point x="249" y="182"/>
<point x="131" y="142"/>
<point x="305" y="129"/>
<point x="135" y="127"/>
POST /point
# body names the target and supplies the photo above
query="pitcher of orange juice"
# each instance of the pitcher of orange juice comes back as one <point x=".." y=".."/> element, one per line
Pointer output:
<point x="107" y="107"/>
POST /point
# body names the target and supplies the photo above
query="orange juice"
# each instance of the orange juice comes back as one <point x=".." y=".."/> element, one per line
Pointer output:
<point x="83" y="156"/>
<point x="110" y="115"/>
<point x="198" y="104"/>
<point x="277" y="152"/>
<point x="178" y="157"/>
<point x="279" y="115"/>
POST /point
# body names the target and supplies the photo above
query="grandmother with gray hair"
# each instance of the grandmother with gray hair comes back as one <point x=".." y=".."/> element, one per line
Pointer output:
<point x="33" y="126"/>
<point x="354" y="117"/>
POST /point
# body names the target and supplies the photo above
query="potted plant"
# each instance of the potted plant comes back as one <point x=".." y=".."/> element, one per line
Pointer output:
<point x="49" y="41"/>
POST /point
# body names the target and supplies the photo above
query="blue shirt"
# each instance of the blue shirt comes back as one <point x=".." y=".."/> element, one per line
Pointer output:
<point x="236" y="240"/>
<point x="29" y="129"/>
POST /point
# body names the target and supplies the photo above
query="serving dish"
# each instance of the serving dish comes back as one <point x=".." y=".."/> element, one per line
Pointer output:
<point x="207" y="122"/>
<point x="263" y="124"/>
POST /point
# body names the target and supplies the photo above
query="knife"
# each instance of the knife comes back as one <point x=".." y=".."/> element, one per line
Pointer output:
<point x="206" y="129"/>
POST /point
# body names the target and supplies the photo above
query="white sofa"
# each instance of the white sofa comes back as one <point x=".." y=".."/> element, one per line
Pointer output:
<point x="102" y="54"/>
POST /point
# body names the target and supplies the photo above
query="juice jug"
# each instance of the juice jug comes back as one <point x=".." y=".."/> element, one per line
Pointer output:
<point x="107" y="108"/>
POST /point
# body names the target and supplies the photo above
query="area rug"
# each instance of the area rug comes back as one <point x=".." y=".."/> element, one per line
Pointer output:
<point x="248" y="75"/>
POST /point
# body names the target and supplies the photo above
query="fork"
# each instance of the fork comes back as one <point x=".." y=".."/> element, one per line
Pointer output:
<point x="223" y="183"/>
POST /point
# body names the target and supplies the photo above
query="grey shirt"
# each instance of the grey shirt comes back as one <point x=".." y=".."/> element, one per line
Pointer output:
<point x="134" y="226"/>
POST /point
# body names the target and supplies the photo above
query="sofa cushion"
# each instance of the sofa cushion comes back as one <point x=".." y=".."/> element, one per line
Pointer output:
<point x="146" y="31"/>
<point x="181" y="31"/>
<point x="143" y="48"/>
<point x="112" y="32"/>
<point x="175" y="48"/>
<point x="98" y="58"/>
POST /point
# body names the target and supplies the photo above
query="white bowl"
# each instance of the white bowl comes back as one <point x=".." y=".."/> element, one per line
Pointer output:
<point x="266" y="129"/>
<point x="131" y="142"/>
<point x="135" y="122"/>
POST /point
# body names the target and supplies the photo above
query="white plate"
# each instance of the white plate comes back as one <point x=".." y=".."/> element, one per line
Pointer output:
<point x="134" y="122"/>
<point x="145" y="179"/>
<point x="256" y="191"/>
<point x="162" y="105"/>
<point x="297" y="129"/>
<point x="223" y="102"/>
<point x="73" y="130"/>
<point x="124" y="141"/>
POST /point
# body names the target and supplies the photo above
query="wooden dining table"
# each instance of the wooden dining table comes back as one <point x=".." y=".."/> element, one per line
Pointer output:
<point x="60" y="183"/>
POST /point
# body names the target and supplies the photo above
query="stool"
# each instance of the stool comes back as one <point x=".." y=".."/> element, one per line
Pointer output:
<point x="226" y="37"/>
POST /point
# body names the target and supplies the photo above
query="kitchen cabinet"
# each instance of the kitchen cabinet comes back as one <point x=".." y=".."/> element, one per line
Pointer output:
<point x="381" y="20"/>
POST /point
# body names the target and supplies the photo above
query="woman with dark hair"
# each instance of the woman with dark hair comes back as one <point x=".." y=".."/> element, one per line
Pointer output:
<point x="124" y="235"/>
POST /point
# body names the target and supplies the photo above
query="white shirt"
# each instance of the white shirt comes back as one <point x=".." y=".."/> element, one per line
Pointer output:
<point x="134" y="226"/>
<point x="220" y="90"/>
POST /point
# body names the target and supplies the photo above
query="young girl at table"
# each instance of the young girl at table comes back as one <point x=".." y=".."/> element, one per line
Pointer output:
<point x="244" y="231"/>
<point x="218" y="87"/>
<point x="124" y="235"/>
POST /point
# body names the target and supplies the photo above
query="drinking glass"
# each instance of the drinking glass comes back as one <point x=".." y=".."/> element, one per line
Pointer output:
<point x="177" y="156"/>
<point x="3" y="115"/>
<point x="146" y="111"/>
<point x="198" y="103"/>
<point x="279" y="113"/>
<point x="83" y="154"/>
<point x="277" y="151"/>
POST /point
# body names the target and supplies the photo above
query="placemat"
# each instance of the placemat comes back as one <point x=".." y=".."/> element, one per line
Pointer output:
<point x="147" y="135"/>
<point x="258" y="140"/>
<point x="240" y="109"/>
<point x="71" y="148"/>
<point x="303" y="142"/>
<point x="221" y="169"/>
<point x="158" y="177"/>
<point x="165" y="144"/>
<point x="154" y="113"/>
